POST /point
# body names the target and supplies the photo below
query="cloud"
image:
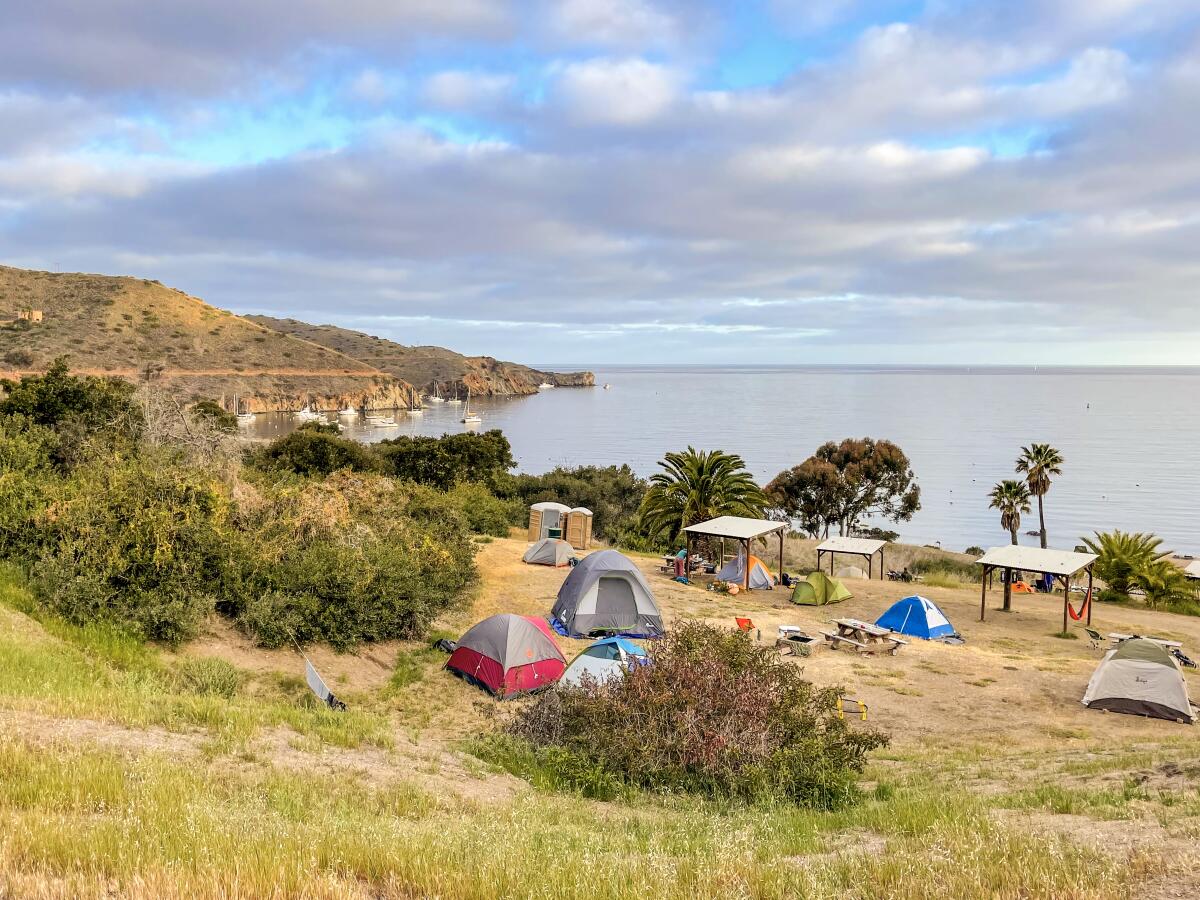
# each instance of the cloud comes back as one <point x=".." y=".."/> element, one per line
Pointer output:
<point x="622" y="92"/>
<point x="464" y="91"/>
<point x="618" y="23"/>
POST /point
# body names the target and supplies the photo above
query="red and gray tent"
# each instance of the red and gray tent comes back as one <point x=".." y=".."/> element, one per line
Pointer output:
<point x="508" y="654"/>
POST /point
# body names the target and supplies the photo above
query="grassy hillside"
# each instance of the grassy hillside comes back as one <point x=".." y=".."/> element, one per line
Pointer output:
<point x="425" y="366"/>
<point x="132" y="774"/>
<point x="120" y="325"/>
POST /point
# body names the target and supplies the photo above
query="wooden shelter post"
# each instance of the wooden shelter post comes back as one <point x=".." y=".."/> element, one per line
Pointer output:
<point x="987" y="570"/>
<point x="746" y="568"/>
<point x="1066" y="600"/>
<point x="1089" y="595"/>
<point x="781" y="557"/>
<point x="687" y="555"/>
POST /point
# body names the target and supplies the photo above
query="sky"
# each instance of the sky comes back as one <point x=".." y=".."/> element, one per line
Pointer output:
<point x="629" y="181"/>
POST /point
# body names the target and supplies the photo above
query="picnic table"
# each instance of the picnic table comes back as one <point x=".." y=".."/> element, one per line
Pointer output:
<point x="863" y="637"/>
<point x="1117" y="637"/>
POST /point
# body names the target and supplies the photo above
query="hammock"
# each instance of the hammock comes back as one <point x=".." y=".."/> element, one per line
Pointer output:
<point x="1082" y="608"/>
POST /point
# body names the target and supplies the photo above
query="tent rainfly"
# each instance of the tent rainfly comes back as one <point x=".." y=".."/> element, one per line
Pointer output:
<point x="745" y="531"/>
<point x="1062" y="564"/>
<point x="607" y="593"/>
<point x="852" y="546"/>
<point x="549" y="552"/>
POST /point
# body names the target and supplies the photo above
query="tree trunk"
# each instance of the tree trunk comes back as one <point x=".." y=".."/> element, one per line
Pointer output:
<point x="1042" y="517"/>
<point x="1013" y="532"/>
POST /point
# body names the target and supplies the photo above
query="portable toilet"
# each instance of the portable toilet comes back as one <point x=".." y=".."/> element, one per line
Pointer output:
<point x="579" y="528"/>
<point x="544" y="516"/>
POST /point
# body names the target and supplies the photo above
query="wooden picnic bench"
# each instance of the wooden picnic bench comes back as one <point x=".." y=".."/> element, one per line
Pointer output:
<point x="864" y="637"/>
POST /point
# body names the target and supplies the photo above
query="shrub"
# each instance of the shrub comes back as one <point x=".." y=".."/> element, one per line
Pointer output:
<point x="311" y="452"/>
<point x="483" y="511"/>
<point x="26" y="482"/>
<point x="209" y="677"/>
<point x="714" y="714"/>
<point x="947" y="569"/>
<point x="445" y="461"/>
<point x="137" y="542"/>
<point x="612" y="493"/>
<point x="352" y="558"/>
<point x="216" y="415"/>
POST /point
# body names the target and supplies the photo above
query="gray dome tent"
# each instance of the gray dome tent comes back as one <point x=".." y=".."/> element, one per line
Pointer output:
<point x="549" y="552"/>
<point x="607" y="593"/>
<point x="1140" y="677"/>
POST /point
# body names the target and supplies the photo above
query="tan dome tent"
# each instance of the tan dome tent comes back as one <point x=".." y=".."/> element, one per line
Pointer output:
<point x="544" y="516"/>
<point x="549" y="552"/>
<point x="607" y="594"/>
<point x="1139" y="677"/>
<point x="579" y="528"/>
<point x="851" y="572"/>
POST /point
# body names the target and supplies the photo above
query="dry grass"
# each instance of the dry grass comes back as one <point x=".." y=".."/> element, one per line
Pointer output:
<point x="998" y="783"/>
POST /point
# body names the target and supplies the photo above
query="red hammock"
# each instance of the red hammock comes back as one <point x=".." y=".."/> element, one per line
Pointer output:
<point x="1082" y="609"/>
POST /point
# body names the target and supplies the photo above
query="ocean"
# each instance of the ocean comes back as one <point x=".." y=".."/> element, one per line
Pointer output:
<point x="1129" y="436"/>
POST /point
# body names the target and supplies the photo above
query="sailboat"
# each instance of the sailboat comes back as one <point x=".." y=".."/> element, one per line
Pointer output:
<point x="348" y="412"/>
<point x="436" y="398"/>
<point x="470" y="418"/>
<point x="308" y="414"/>
<point x="545" y="386"/>
<point x="454" y="401"/>
<point x="414" y="401"/>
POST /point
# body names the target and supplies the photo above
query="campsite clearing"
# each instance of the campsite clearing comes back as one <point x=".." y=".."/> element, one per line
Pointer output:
<point x="998" y="781"/>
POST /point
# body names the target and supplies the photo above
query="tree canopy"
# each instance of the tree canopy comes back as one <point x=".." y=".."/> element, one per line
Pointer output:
<point x="844" y="483"/>
<point x="696" y="485"/>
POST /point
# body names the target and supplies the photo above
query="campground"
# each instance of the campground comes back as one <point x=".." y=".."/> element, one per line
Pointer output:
<point x="998" y="782"/>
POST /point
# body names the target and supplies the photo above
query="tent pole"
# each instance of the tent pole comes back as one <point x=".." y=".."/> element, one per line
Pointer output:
<point x="1089" y="596"/>
<point x="987" y="570"/>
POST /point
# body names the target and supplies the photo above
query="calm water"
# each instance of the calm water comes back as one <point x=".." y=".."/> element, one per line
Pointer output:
<point x="1128" y="435"/>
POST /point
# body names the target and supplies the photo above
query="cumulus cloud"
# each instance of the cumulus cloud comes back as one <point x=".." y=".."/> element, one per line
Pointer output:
<point x="616" y="91"/>
<point x="461" y="90"/>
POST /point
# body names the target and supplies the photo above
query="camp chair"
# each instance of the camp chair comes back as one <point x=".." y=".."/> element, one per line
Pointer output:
<point x="744" y="624"/>
<point x="1095" y="639"/>
<point x="1185" y="661"/>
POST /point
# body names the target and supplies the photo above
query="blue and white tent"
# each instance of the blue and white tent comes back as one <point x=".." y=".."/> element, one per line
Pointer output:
<point x="605" y="659"/>
<point x="918" y="617"/>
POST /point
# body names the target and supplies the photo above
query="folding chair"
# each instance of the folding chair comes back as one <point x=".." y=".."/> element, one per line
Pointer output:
<point x="747" y="625"/>
<point x="1095" y="639"/>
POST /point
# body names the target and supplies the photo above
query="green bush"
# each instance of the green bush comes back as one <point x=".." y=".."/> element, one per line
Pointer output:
<point x="447" y="460"/>
<point x="947" y="569"/>
<point x="713" y="714"/>
<point x="26" y="484"/>
<point x="612" y="493"/>
<point x="352" y="558"/>
<point x="208" y="677"/>
<point x="483" y="511"/>
<point x="138" y="542"/>
<point x="216" y="415"/>
<point x="313" y="452"/>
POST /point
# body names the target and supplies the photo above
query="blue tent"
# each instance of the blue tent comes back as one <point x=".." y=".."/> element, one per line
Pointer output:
<point x="918" y="617"/>
<point x="603" y="660"/>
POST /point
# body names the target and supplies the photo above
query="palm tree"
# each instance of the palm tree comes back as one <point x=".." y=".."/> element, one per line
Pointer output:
<point x="697" y="485"/>
<point x="1011" y="497"/>
<point x="1039" y="462"/>
<point x="1122" y="555"/>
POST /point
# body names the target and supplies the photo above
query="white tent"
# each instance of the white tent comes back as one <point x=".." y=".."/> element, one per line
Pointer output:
<point x="603" y="660"/>
<point x="1140" y="677"/>
<point x="549" y="552"/>
<point x="851" y="572"/>
<point x="734" y="572"/>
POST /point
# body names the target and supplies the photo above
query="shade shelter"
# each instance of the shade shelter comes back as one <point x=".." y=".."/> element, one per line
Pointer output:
<point x="852" y="546"/>
<point x="1192" y="569"/>
<point x="744" y="531"/>
<point x="1063" y="565"/>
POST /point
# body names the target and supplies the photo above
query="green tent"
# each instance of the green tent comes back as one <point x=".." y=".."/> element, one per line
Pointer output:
<point x="818" y="590"/>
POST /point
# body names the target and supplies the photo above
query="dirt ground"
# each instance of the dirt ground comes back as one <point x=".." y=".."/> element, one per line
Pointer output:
<point x="1013" y="679"/>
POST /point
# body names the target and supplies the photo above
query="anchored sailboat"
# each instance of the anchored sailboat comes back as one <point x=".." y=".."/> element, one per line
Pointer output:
<point x="470" y="418"/>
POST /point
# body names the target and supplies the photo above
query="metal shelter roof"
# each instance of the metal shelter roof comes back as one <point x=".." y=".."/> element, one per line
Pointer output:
<point x="1035" y="559"/>
<point x="864" y="546"/>
<point x="1192" y="569"/>
<point x="736" y="527"/>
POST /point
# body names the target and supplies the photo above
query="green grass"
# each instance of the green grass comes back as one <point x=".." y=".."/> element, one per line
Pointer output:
<point x="152" y="827"/>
